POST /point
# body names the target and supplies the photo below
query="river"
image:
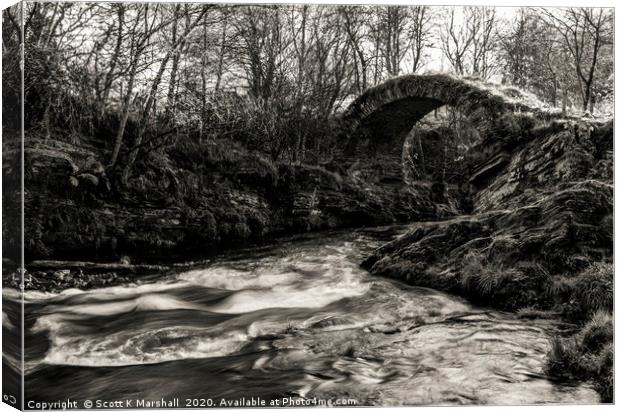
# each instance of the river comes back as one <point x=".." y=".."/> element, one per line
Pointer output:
<point x="295" y="321"/>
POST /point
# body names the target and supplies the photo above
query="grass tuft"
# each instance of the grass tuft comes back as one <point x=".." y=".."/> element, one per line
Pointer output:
<point x="588" y="354"/>
<point x="594" y="290"/>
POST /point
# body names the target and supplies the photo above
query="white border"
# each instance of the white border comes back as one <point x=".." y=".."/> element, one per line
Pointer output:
<point x="510" y="3"/>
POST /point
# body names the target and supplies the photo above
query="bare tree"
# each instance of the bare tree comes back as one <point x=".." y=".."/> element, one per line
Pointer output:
<point x="481" y="25"/>
<point x="270" y="77"/>
<point x="140" y="31"/>
<point x="261" y="45"/>
<point x="516" y="45"/>
<point x="376" y="39"/>
<point x="585" y="32"/>
<point x="420" y="32"/>
<point x="170" y="106"/>
<point x="354" y="20"/>
<point x="111" y="73"/>
<point x="456" y="41"/>
<point x="394" y="26"/>
<point x="152" y="92"/>
<point x="223" y="47"/>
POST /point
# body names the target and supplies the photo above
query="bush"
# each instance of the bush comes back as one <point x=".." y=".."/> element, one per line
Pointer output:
<point x="594" y="290"/>
<point x="502" y="285"/>
<point x="479" y="276"/>
<point x="588" y="354"/>
<point x="562" y="357"/>
<point x="605" y="382"/>
<point x="597" y="332"/>
<point x="585" y="293"/>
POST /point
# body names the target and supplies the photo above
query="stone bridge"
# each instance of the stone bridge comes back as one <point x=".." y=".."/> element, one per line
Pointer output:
<point x="376" y="124"/>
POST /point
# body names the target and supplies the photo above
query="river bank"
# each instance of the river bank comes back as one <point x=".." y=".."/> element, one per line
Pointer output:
<point x="204" y="199"/>
<point x="540" y="240"/>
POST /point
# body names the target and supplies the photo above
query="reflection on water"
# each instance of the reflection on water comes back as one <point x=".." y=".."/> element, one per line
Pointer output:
<point x="301" y="319"/>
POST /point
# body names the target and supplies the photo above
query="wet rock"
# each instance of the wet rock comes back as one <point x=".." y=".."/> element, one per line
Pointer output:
<point x="508" y="258"/>
<point x="329" y="322"/>
<point x="57" y="280"/>
<point x="385" y="329"/>
<point x="541" y="233"/>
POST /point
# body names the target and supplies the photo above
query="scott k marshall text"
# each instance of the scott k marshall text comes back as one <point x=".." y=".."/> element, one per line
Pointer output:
<point x="104" y="404"/>
<point x="187" y="403"/>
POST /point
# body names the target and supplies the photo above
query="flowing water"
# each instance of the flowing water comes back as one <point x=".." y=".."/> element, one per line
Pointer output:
<point x="297" y="321"/>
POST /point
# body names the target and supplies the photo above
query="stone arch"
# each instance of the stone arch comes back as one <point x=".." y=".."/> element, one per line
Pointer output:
<point x="379" y="120"/>
<point x="374" y="127"/>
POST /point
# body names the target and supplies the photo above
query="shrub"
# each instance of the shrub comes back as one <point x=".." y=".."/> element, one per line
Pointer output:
<point x="597" y="332"/>
<point x="588" y="354"/>
<point x="562" y="358"/>
<point x="593" y="289"/>
<point x="605" y="382"/>
<point x="208" y="226"/>
<point x="479" y="276"/>
<point x="509" y="287"/>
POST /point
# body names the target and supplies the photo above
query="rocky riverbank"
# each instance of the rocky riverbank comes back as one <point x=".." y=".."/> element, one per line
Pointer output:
<point x="540" y="239"/>
<point x="188" y="201"/>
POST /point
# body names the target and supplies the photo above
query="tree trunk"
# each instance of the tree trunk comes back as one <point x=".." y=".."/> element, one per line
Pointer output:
<point x="150" y="100"/>
<point x="422" y="161"/>
<point x="220" y="62"/>
<point x="173" y="71"/>
<point x="109" y="76"/>
<point x="203" y="79"/>
<point x="171" y="106"/>
<point x="587" y="96"/>
<point x="564" y="101"/>
<point x="124" y="114"/>
<point x="554" y="96"/>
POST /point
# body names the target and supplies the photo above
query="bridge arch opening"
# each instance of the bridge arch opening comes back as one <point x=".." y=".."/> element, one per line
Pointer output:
<point x="386" y="129"/>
